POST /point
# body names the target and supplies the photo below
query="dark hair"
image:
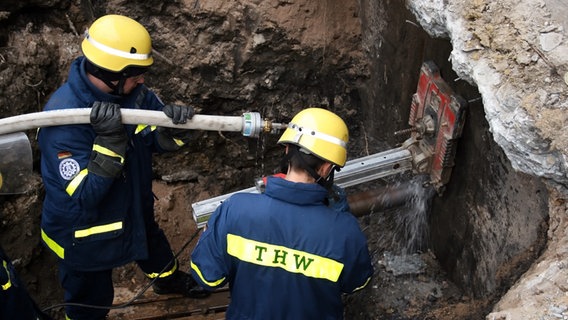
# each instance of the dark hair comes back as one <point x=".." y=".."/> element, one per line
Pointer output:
<point x="300" y="159"/>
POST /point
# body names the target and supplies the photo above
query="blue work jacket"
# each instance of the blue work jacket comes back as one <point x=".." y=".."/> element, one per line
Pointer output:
<point x="284" y="253"/>
<point x="89" y="221"/>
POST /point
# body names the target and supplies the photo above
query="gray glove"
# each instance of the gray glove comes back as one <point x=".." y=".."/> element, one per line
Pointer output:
<point x="109" y="149"/>
<point x="178" y="114"/>
<point x="171" y="139"/>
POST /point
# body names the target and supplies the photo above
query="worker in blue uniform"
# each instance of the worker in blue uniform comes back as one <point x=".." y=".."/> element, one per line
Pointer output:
<point x="285" y="253"/>
<point x="98" y="211"/>
<point x="15" y="301"/>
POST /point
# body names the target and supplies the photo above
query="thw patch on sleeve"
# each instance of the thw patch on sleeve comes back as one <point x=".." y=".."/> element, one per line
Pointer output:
<point x="69" y="168"/>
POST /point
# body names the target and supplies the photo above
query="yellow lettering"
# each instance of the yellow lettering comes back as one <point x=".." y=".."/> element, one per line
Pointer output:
<point x="289" y="259"/>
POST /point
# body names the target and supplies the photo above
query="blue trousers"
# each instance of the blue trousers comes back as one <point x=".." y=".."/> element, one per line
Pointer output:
<point x="95" y="288"/>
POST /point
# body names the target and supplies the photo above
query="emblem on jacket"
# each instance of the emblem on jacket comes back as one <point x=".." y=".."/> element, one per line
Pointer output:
<point x="68" y="168"/>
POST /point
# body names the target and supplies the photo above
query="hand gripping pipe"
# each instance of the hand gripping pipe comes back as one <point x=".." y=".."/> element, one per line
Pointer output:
<point x="249" y="124"/>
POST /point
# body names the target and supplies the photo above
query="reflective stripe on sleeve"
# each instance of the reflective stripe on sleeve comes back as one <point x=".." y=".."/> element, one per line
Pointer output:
<point x="74" y="184"/>
<point x="363" y="286"/>
<point x="98" y="229"/>
<point x="211" y="284"/>
<point x="108" y="152"/>
<point x="59" y="251"/>
<point x="179" y="142"/>
<point x="141" y="127"/>
<point x="291" y="260"/>
<point x="8" y="284"/>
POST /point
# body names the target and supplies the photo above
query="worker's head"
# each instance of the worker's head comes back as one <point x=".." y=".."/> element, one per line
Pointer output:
<point x="118" y="51"/>
<point x="314" y="137"/>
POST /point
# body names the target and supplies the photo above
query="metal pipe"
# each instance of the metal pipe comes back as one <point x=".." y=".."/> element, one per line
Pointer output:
<point x="249" y="124"/>
<point x="366" y="202"/>
<point x="356" y="171"/>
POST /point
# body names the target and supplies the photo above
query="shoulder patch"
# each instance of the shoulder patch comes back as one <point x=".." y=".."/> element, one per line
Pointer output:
<point x="69" y="168"/>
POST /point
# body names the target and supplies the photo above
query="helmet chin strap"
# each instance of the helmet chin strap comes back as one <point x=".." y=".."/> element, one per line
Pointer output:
<point x="117" y="89"/>
<point x="327" y="182"/>
<point x="120" y="86"/>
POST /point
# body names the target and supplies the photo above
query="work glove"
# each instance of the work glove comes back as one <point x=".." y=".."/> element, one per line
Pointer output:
<point x="109" y="148"/>
<point x="171" y="139"/>
<point x="337" y="199"/>
<point x="178" y="114"/>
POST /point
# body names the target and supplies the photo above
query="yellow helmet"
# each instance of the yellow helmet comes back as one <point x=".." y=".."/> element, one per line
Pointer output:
<point x="320" y="132"/>
<point x="114" y="42"/>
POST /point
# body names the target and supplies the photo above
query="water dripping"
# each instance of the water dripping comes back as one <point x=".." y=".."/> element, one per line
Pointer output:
<point x="412" y="220"/>
<point x="404" y="230"/>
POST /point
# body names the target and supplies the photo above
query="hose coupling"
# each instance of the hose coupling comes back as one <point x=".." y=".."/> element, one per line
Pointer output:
<point x="253" y="125"/>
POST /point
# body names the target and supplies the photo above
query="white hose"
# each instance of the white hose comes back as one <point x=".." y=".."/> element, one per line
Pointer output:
<point x="129" y="116"/>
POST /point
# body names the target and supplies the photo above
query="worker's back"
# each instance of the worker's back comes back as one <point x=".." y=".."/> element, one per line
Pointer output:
<point x="289" y="255"/>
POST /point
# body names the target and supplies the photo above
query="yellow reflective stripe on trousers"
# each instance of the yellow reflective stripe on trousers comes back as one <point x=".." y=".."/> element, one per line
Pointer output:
<point x="107" y="152"/>
<point x="98" y="229"/>
<point x="8" y="284"/>
<point x="291" y="260"/>
<point x="212" y="284"/>
<point x="163" y="274"/>
<point x="59" y="251"/>
<point x="74" y="184"/>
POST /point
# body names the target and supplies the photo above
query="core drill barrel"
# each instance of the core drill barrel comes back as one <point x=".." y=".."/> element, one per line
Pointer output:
<point x="363" y="203"/>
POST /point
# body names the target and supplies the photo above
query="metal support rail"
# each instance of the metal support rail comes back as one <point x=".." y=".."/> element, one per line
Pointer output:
<point x="355" y="172"/>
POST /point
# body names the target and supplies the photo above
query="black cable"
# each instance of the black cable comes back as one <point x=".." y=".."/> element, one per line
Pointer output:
<point x="126" y="304"/>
